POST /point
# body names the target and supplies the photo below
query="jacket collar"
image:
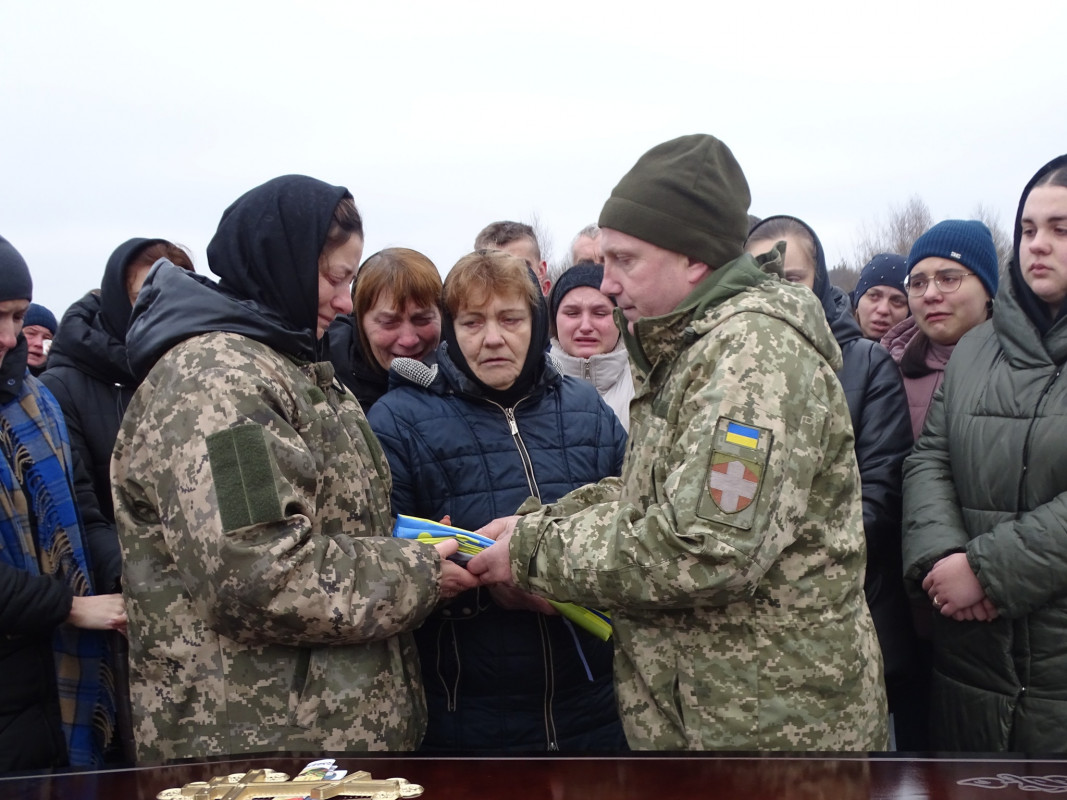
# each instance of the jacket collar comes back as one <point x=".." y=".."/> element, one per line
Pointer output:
<point x="1021" y="337"/>
<point x="602" y="370"/>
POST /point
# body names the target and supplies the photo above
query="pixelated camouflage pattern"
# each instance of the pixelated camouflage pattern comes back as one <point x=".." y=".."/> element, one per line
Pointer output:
<point x="729" y="634"/>
<point x="288" y="633"/>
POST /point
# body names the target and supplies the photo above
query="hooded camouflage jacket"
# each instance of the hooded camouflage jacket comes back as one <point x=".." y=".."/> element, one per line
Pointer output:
<point x="268" y="604"/>
<point x="731" y="551"/>
<point x="267" y="609"/>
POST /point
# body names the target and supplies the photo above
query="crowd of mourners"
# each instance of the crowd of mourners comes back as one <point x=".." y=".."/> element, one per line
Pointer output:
<point x="818" y="520"/>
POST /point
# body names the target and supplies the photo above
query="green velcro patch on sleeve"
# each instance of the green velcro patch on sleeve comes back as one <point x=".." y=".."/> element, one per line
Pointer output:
<point x="244" y="477"/>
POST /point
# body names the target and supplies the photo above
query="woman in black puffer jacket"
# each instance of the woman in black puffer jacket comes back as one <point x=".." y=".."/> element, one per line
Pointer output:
<point x="985" y="504"/>
<point x="472" y="438"/>
<point x="87" y="368"/>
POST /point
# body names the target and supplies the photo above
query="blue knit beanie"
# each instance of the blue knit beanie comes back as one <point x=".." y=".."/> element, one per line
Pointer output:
<point x="39" y="315"/>
<point x="885" y="269"/>
<point x="967" y="242"/>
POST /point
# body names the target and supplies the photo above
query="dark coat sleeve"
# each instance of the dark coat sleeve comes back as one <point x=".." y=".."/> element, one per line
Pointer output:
<point x="31" y="604"/>
<point x="882" y="425"/>
<point x="59" y="382"/>
<point x="933" y="521"/>
<point x="101" y="538"/>
<point x="883" y="440"/>
<point x="93" y="411"/>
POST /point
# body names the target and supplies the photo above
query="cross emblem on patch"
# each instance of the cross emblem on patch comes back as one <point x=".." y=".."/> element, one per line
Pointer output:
<point x="733" y="486"/>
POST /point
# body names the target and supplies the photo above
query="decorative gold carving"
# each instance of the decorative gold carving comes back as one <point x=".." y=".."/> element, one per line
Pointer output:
<point x="266" y="784"/>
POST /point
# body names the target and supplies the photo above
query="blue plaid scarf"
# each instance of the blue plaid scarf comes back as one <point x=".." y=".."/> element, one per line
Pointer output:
<point x="37" y="497"/>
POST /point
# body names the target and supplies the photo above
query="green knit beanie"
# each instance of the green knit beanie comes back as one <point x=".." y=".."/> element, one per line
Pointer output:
<point x="688" y="195"/>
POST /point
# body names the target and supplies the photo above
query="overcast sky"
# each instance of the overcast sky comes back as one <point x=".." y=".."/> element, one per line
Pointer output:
<point x="146" y="119"/>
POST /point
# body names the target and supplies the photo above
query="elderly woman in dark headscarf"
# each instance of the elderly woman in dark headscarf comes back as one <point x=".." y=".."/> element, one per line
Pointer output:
<point x="471" y="438"/>
<point x="269" y="610"/>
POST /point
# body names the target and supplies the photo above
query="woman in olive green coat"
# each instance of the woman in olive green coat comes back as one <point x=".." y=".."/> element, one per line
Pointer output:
<point x="985" y="504"/>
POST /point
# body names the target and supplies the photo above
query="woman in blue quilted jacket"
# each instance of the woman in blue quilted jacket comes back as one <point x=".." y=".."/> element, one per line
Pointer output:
<point x="471" y="438"/>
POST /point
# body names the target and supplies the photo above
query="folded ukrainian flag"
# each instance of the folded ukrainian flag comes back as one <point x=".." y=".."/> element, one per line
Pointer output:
<point x="470" y="544"/>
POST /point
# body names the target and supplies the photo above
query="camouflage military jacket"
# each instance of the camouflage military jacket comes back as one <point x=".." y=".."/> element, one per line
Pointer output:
<point x="266" y="609"/>
<point x="731" y="551"/>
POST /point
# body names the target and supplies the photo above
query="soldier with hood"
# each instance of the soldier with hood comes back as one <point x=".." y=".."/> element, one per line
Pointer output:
<point x="985" y="504"/>
<point x="270" y="608"/>
<point x="730" y="553"/>
<point x="878" y="408"/>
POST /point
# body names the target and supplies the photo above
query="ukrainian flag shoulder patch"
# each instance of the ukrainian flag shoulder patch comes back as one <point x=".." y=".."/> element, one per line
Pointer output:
<point x="735" y="473"/>
<point x="743" y="435"/>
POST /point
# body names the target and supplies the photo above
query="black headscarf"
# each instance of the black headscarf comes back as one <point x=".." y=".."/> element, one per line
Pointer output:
<point x="1036" y="308"/>
<point x="822" y="288"/>
<point x="267" y="248"/>
<point x="536" y="353"/>
<point x="115" y="305"/>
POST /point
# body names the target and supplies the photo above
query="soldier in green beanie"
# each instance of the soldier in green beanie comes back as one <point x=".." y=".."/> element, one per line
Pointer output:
<point x="731" y="553"/>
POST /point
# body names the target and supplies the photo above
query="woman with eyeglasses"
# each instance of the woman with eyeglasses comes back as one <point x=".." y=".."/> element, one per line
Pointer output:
<point x="952" y="278"/>
<point x="985" y="504"/>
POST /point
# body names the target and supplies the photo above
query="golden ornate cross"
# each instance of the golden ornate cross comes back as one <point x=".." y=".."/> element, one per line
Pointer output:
<point x="266" y="784"/>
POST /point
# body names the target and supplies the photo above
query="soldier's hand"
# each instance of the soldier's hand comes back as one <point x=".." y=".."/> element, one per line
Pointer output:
<point x="498" y="527"/>
<point x="493" y="564"/>
<point x="454" y="578"/>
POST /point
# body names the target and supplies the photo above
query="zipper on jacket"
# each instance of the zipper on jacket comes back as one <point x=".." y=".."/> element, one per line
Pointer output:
<point x="520" y="445"/>
<point x="551" y="742"/>
<point x="1020" y="492"/>
<point x="1029" y="437"/>
<point x="551" y="737"/>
